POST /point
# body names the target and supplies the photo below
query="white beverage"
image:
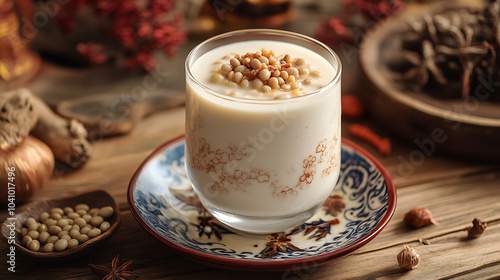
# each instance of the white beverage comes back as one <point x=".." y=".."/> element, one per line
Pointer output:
<point x="261" y="164"/>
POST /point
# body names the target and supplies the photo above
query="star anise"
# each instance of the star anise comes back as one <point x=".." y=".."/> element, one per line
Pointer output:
<point x="116" y="272"/>
<point x="277" y="243"/>
<point x="421" y="67"/>
<point x="468" y="53"/>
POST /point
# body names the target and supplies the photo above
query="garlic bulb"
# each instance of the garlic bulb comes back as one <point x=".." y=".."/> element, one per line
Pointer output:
<point x="34" y="163"/>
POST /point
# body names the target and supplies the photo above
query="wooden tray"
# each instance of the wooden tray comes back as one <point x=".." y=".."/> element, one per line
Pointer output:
<point x="462" y="128"/>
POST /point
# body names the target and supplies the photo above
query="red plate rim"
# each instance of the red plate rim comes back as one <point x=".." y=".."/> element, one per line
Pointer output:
<point x="302" y="263"/>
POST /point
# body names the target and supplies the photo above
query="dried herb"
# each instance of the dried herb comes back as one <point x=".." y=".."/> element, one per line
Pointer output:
<point x="450" y="54"/>
<point x="116" y="272"/>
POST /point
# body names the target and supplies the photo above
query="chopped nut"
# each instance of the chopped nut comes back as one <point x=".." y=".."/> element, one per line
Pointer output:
<point x="408" y="258"/>
<point x="265" y="72"/>
<point x="419" y="217"/>
<point x="477" y="229"/>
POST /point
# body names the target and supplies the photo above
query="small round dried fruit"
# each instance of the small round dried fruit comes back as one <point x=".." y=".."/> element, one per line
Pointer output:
<point x="419" y="217"/>
<point x="477" y="229"/>
<point x="408" y="258"/>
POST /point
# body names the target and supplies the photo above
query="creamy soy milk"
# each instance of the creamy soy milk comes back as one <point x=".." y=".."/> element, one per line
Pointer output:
<point x="262" y="155"/>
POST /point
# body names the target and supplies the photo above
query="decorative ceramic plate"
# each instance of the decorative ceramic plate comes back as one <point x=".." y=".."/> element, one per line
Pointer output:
<point x="163" y="202"/>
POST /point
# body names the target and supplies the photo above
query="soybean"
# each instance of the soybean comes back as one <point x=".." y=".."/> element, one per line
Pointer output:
<point x="49" y="247"/>
<point x="61" y="245"/>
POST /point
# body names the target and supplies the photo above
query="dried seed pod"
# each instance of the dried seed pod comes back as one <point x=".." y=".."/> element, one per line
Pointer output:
<point x="408" y="258"/>
<point x="419" y="217"/>
<point x="477" y="229"/>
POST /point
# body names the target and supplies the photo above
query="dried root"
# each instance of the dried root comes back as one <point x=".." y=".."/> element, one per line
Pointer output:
<point x="17" y="117"/>
<point x="66" y="138"/>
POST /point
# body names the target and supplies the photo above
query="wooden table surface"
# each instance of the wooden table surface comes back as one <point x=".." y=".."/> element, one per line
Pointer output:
<point x="456" y="191"/>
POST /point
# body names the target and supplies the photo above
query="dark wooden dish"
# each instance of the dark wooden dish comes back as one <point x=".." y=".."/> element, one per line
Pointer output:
<point x="471" y="129"/>
<point x="93" y="199"/>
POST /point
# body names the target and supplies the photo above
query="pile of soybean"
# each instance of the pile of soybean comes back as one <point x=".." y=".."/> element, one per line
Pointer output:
<point x="66" y="228"/>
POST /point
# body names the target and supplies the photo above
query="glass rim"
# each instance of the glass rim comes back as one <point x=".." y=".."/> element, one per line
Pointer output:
<point x="334" y="81"/>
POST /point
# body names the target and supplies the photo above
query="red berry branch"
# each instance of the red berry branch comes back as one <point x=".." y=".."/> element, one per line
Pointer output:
<point x="339" y="28"/>
<point x="137" y="29"/>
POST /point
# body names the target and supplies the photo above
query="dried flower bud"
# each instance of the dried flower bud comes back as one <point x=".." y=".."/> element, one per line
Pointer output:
<point x="477" y="229"/>
<point x="419" y="217"/>
<point x="408" y="258"/>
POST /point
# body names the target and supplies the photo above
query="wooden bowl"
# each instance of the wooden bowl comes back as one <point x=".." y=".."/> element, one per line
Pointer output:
<point x="95" y="199"/>
<point x="469" y="129"/>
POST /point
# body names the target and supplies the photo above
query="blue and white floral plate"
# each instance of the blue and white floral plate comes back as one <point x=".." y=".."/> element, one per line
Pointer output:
<point x="162" y="200"/>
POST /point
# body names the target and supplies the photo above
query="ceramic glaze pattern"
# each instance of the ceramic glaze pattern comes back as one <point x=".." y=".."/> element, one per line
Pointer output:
<point x="166" y="202"/>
